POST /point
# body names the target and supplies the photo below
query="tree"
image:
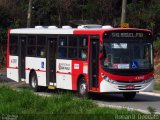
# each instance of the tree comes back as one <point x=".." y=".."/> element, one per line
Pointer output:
<point x="6" y="22"/>
<point x="3" y="32"/>
<point x="144" y="15"/>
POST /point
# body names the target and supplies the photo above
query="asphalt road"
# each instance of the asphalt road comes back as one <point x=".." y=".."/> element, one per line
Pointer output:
<point x="141" y="102"/>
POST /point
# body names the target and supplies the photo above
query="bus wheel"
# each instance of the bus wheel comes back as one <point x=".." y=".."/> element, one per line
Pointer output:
<point x="129" y="95"/>
<point x="82" y="88"/>
<point x="34" y="81"/>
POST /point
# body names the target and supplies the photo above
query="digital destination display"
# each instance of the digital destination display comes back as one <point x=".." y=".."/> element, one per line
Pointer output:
<point x="130" y="34"/>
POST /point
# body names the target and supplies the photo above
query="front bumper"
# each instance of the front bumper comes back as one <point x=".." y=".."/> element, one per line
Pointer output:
<point x="106" y="86"/>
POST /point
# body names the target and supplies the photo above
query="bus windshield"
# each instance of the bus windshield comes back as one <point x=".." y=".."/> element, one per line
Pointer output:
<point x="130" y="55"/>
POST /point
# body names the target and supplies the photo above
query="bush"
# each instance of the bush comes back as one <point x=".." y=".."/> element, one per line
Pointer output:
<point x="156" y="45"/>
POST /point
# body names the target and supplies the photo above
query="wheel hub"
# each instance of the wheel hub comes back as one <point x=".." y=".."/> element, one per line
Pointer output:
<point x="33" y="82"/>
<point x="83" y="89"/>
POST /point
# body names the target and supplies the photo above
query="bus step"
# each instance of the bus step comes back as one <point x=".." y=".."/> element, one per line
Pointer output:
<point x="51" y="87"/>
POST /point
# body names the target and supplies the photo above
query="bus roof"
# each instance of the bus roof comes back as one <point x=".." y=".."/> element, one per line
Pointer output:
<point x="68" y="30"/>
<point x="41" y="31"/>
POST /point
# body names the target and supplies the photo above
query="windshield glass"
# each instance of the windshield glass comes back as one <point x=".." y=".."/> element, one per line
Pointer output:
<point x="127" y="55"/>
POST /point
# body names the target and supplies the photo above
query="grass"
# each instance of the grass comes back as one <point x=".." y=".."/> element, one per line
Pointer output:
<point x="157" y="86"/>
<point x="26" y="105"/>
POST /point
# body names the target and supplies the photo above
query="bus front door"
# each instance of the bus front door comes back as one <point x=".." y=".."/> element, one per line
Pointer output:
<point x="21" y="59"/>
<point x="93" y="62"/>
<point x="51" y="60"/>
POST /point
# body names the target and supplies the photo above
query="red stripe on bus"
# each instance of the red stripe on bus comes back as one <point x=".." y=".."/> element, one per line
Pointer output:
<point x="38" y="70"/>
<point x="13" y="67"/>
<point x="127" y="78"/>
<point x="69" y="73"/>
<point x="27" y="69"/>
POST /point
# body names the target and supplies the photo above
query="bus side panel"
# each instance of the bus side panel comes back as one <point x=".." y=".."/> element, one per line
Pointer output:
<point x="12" y="74"/>
<point x="64" y="74"/>
<point x="12" y="70"/>
<point x="39" y="66"/>
<point x="27" y="75"/>
<point x="68" y="71"/>
<point x="41" y="76"/>
<point x="77" y="70"/>
<point x="64" y="81"/>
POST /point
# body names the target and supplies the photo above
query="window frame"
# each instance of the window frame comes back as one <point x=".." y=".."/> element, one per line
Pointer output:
<point x="14" y="45"/>
<point x="36" y="46"/>
<point x="77" y="47"/>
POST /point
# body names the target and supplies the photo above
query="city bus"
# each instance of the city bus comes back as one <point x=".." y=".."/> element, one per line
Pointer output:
<point x="89" y="58"/>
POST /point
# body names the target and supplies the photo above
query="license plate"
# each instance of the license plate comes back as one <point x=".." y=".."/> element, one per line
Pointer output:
<point x="130" y="87"/>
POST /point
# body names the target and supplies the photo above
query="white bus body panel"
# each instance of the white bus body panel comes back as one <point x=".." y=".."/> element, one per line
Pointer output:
<point x="64" y="81"/>
<point x="63" y="74"/>
<point x="12" y="71"/>
<point x="13" y="74"/>
<point x="36" y="63"/>
<point x="39" y="66"/>
<point x="27" y="76"/>
<point x="41" y="76"/>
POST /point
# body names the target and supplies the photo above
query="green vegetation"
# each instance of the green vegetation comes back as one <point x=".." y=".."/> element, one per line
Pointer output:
<point x="152" y="110"/>
<point x="26" y="105"/>
<point x="156" y="45"/>
<point x="157" y="86"/>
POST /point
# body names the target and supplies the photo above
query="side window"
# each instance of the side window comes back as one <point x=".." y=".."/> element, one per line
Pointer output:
<point x="83" y="47"/>
<point x="36" y="46"/>
<point x="14" y="45"/>
<point x="41" y="43"/>
<point x="62" y="47"/>
<point x="32" y="40"/>
<point x="63" y="41"/>
<point x="72" y="47"/>
<point x="31" y="46"/>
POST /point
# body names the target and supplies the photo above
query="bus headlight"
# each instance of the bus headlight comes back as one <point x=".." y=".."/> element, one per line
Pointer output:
<point x="108" y="79"/>
<point x="148" y="80"/>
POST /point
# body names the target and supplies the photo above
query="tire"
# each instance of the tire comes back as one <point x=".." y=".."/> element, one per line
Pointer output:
<point x="82" y="88"/>
<point x="34" y="82"/>
<point x="129" y="95"/>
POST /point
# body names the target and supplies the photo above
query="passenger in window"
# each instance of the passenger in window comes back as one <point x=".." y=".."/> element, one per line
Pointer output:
<point x="84" y="54"/>
<point x="42" y="53"/>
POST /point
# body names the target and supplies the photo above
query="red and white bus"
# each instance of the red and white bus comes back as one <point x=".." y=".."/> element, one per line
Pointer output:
<point x="90" y="58"/>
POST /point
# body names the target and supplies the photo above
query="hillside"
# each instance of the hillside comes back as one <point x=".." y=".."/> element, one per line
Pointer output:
<point x="157" y="68"/>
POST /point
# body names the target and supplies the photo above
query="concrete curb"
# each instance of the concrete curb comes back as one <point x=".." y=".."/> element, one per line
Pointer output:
<point x="100" y="104"/>
<point x="157" y="94"/>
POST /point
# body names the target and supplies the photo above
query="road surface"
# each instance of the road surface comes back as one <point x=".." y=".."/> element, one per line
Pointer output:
<point x="140" y="103"/>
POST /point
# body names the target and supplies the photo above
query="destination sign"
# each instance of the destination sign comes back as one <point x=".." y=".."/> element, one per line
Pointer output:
<point x="128" y="35"/>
